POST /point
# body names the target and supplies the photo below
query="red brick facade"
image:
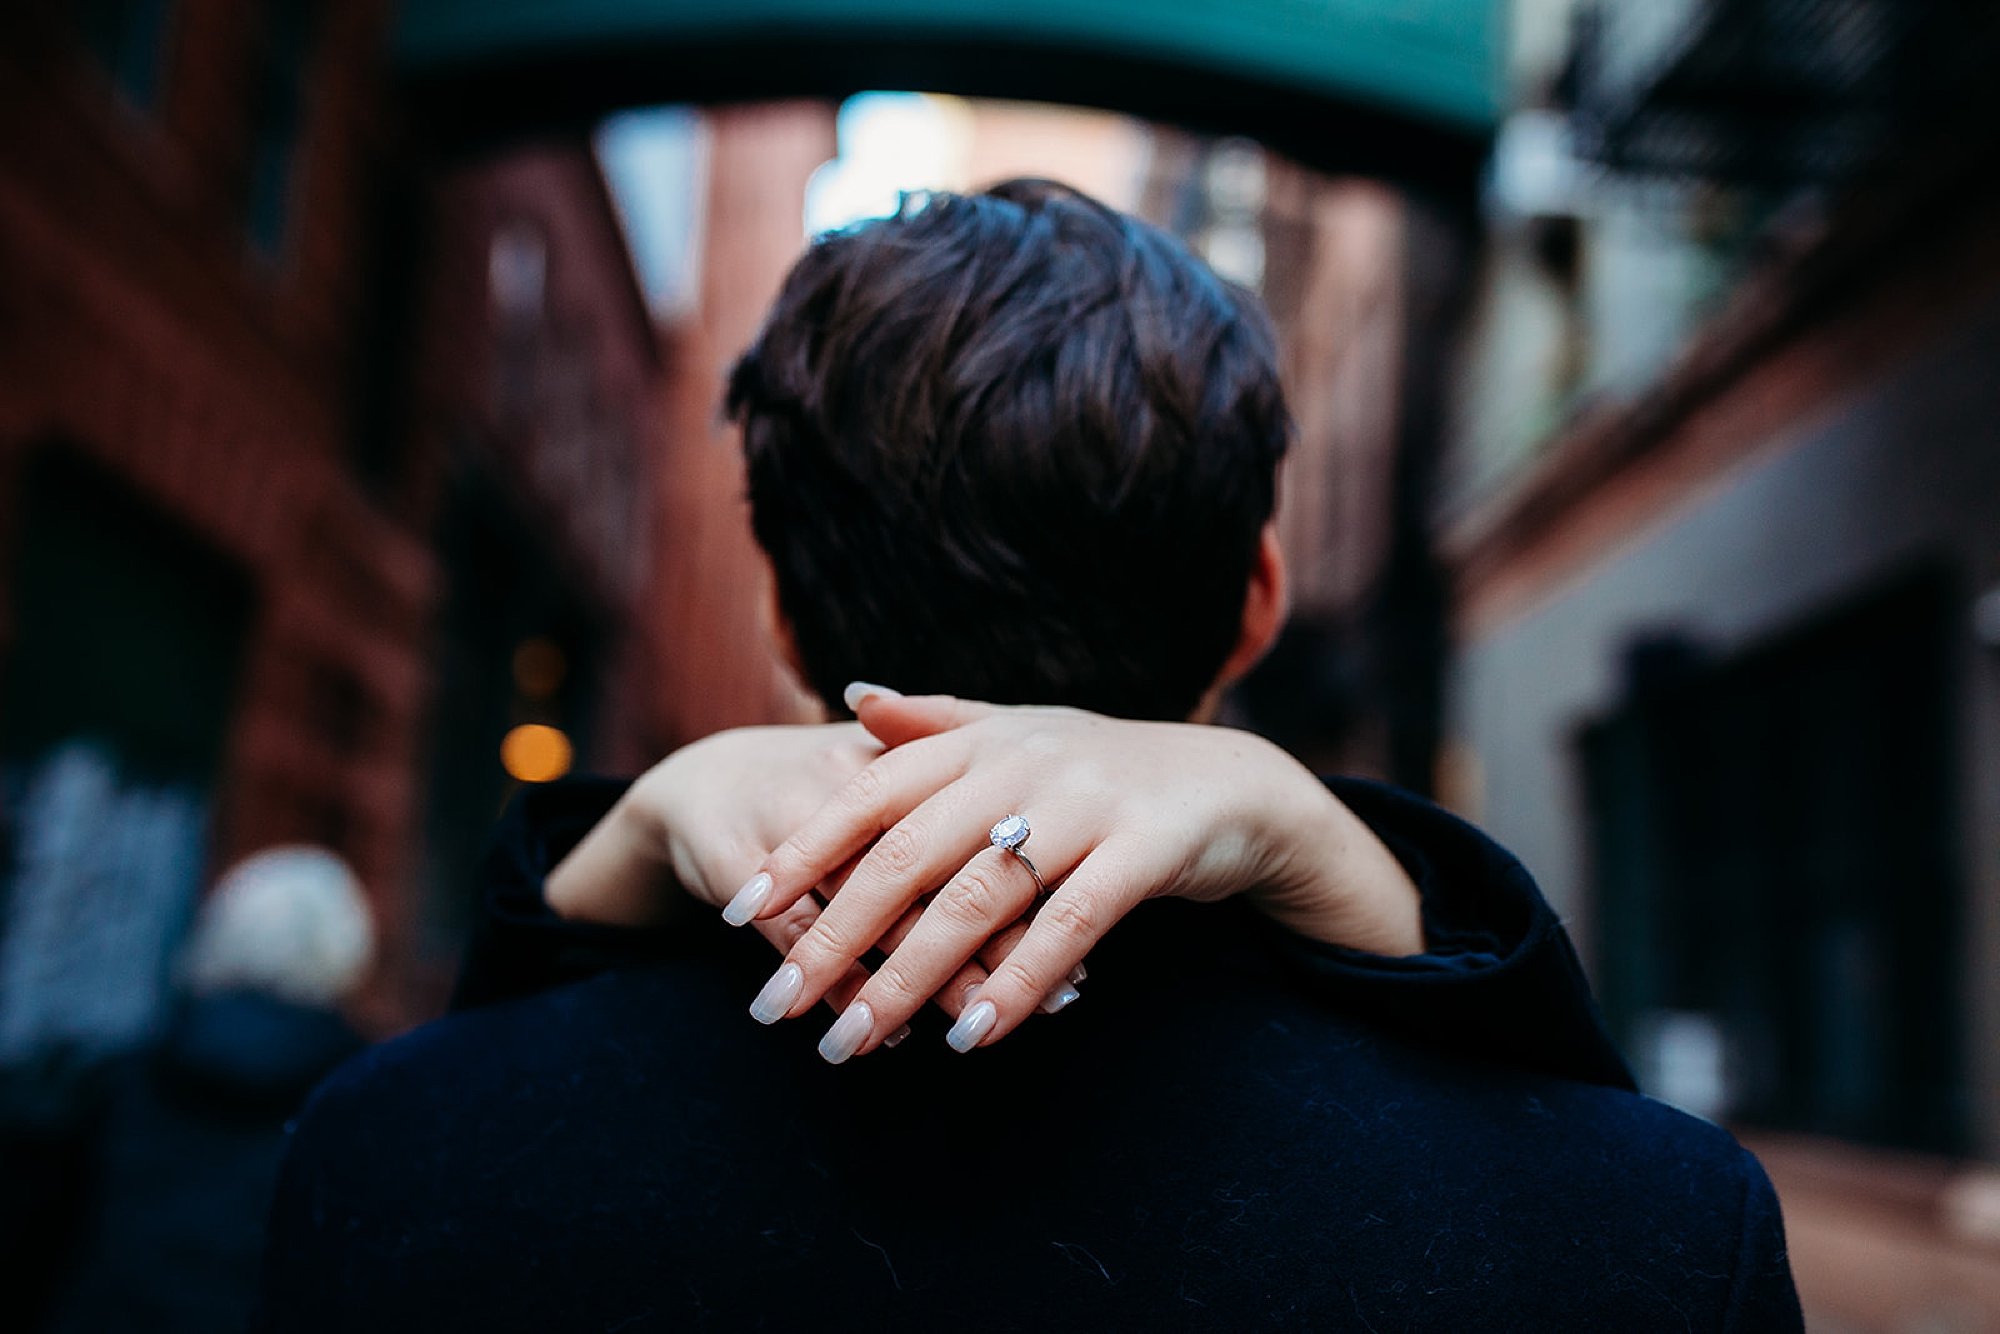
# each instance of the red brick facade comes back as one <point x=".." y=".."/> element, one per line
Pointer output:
<point x="710" y="637"/>
<point x="144" y="327"/>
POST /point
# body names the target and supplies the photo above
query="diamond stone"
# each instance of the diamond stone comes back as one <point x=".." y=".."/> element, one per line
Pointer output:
<point x="1011" y="832"/>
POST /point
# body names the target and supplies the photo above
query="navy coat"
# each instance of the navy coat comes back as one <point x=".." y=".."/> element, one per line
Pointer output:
<point x="1232" y="1130"/>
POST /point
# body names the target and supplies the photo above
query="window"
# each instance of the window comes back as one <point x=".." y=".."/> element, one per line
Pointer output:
<point x="1776" y="877"/>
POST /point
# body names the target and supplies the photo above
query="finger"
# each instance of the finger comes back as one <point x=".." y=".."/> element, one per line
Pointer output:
<point x="928" y="847"/>
<point x="865" y="807"/>
<point x="895" y="720"/>
<point x="1073" y="919"/>
<point x="925" y="849"/>
<point x="957" y="991"/>
<point x="995" y="951"/>
<point x="783" y="931"/>
<point x="988" y="893"/>
<point x="983" y="901"/>
<point x="952" y="998"/>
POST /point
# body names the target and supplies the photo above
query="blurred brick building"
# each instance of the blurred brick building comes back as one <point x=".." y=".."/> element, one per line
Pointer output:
<point x="710" y="637"/>
<point x="209" y="629"/>
<point x="529" y="445"/>
<point x="320" y="469"/>
<point x="209" y="621"/>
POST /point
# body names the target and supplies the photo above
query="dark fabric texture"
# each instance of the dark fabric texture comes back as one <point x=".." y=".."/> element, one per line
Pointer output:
<point x="1501" y="980"/>
<point x="1227" y="1132"/>
<point x="186" y="1159"/>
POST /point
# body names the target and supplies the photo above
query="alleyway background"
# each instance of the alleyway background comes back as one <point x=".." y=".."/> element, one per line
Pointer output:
<point x="360" y="461"/>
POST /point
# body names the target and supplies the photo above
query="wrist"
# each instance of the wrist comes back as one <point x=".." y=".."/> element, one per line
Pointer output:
<point x="617" y="874"/>
<point x="1335" y="881"/>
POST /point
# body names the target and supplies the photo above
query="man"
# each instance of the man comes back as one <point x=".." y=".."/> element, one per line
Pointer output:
<point x="1014" y="447"/>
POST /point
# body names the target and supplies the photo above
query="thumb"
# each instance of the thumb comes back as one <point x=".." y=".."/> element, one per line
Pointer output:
<point x="895" y="719"/>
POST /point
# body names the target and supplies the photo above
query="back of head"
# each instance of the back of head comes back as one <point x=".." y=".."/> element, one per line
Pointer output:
<point x="1014" y="446"/>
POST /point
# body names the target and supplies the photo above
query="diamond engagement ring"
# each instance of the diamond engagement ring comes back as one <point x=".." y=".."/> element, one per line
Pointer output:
<point x="1008" y="836"/>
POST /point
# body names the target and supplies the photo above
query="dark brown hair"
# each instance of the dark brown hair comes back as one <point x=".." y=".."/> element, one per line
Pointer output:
<point x="1014" y="446"/>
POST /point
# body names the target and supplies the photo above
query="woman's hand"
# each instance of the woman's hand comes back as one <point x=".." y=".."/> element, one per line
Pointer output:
<point x="1120" y="812"/>
<point x="695" y="825"/>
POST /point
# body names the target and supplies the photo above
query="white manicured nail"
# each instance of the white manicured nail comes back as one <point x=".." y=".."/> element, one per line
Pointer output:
<point x="756" y="890"/>
<point x="858" y="691"/>
<point x="1078" y="973"/>
<point x="972" y="1025"/>
<point x="776" y="998"/>
<point x="896" y="1037"/>
<point x="849" y="1031"/>
<point x="1058" y="998"/>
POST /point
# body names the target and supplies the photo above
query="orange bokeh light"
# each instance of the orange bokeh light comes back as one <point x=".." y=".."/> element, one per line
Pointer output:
<point x="536" y="753"/>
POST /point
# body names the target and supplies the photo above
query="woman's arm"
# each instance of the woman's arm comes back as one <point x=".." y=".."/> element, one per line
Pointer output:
<point x="1498" y="978"/>
<point x="1126" y="811"/>
<point x="587" y="873"/>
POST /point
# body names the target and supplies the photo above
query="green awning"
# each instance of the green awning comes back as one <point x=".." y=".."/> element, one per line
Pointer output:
<point x="1431" y="61"/>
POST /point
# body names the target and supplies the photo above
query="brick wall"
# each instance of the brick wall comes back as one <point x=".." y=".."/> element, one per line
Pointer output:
<point x="711" y="645"/>
<point x="139" y="327"/>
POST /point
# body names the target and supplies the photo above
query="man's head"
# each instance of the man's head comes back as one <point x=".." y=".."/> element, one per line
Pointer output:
<point x="1018" y="447"/>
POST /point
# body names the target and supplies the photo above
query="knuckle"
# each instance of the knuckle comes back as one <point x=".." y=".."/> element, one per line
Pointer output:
<point x="822" y="944"/>
<point x="1011" y="989"/>
<point x="971" y="897"/>
<point x="899" y="851"/>
<point x="894" y="985"/>
<point x="1075" y="918"/>
<point x="865" y="788"/>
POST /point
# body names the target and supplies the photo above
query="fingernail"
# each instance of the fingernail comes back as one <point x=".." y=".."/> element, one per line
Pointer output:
<point x="1078" y="973"/>
<point x="748" y="899"/>
<point x="1058" y="998"/>
<point x="848" y="1033"/>
<point x="858" y="691"/>
<point x="896" y="1037"/>
<point x="778" y="994"/>
<point x="973" y="1025"/>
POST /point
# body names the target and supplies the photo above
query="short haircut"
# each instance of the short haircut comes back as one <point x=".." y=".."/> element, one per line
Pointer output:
<point x="1014" y="446"/>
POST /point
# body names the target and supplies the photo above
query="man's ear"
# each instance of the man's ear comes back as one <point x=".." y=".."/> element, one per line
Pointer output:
<point x="1266" y="603"/>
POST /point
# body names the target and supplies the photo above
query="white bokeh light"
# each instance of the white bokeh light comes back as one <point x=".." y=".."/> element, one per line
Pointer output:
<point x="890" y="144"/>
